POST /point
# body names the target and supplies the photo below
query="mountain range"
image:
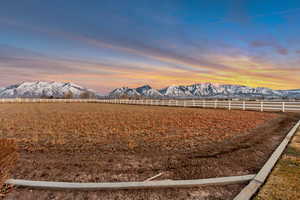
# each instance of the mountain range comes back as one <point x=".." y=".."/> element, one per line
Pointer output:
<point x="42" y="89"/>
<point x="204" y="90"/>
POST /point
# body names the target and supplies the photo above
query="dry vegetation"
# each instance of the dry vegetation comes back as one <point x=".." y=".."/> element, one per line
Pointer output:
<point x="105" y="142"/>
<point x="8" y="157"/>
<point x="284" y="181"/>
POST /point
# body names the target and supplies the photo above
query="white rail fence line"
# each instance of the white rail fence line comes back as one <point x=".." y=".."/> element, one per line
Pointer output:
<point x="283" y="106"/>
<point x="230" y="105"/>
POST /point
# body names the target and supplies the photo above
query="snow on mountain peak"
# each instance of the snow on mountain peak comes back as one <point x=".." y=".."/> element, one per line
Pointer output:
<point x="124" y="91"/>
<point x="204" y="90"/>
<point x="54" y="89"/>
<point x="39" y="89"/>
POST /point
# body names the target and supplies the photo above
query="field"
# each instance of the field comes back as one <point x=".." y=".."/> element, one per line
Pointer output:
<point x="106" y="142"/>
<point x="8" y="157"/>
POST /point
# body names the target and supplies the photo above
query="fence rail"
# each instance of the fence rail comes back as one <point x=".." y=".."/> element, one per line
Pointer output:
<point x="283" y="106"/>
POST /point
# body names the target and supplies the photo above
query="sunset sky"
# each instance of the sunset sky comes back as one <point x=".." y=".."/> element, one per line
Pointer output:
<point x="104" y="44"/>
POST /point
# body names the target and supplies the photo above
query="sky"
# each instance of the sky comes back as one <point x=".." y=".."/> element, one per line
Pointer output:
<point x="105" y="44"/>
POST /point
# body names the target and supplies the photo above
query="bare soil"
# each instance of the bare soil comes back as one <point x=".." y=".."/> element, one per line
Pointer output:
<point x="101" y="143"/>
<point x="8" y="157"/>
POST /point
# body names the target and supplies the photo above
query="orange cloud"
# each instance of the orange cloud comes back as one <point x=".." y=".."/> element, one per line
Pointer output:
<point x="170" y="68"/>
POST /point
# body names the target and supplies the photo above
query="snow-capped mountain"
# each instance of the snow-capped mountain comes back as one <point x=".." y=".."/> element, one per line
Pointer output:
<point x="291" y="93"/>
<point x="124" y="91"/>
<point x="176" y="91"/>
<point x="211" y="90"/>
<point x="206" y="90"/>
<point x="145" y="90"/>
<point x="41" y="89"/>
<point x="148" y="91"/>
<point x="46" y="89"/>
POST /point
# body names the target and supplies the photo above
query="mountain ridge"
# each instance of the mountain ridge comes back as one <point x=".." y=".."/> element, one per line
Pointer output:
<point x="52" y="89"/>
<point x="204" y="90"/>
<point x="46" y="89"/>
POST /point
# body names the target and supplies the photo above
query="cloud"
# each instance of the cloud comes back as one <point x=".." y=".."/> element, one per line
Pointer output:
<point x="20" y="64"/>
<point x="24" y="60"/>
<point x="270" y="43"/>
<point x="142" y="55"/>
<point x="129" y="45"/>
<point x="8" y="50"/>
<point x="291" y="11"/>
<point x="282" y="50"/>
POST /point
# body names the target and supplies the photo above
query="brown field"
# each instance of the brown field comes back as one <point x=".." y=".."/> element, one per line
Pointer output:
<point x="8" y="157"/>
<point x="106" y="142"/>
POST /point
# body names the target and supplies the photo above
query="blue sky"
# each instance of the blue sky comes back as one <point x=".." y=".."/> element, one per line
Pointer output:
<point x="106" y="44"/>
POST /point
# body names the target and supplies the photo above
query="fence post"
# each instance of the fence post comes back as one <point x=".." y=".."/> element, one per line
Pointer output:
<point x="283" y="106"/>
<point x="261" y="106"/>
<point x="184" y="103"/>
<point x="229" y="105"/>
<point x="203" y="103"/>
<point x="244" y="105"/>
<point x="216" y="103"/>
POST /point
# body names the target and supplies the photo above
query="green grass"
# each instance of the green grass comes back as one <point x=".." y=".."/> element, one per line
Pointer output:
<point x="292" y="151"/>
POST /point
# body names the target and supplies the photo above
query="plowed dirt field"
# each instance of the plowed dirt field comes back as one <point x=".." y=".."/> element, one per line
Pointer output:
<point x="106" y="142"/>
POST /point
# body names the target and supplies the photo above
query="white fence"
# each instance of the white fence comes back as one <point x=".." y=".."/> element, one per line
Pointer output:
<point x="284" y="106"/>
<point x="230" y="105"/>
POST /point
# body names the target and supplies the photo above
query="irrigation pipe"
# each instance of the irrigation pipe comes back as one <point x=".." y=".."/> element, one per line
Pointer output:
<point x="130" y="185"/>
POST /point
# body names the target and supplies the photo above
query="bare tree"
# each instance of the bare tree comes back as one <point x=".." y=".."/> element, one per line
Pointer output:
<point x="68" y="95"/>
<point x="87" y="95"/>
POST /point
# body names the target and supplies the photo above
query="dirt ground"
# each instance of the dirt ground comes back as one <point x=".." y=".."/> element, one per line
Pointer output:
<point x="8" y="158"/>
<point x="101" y="142"/>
